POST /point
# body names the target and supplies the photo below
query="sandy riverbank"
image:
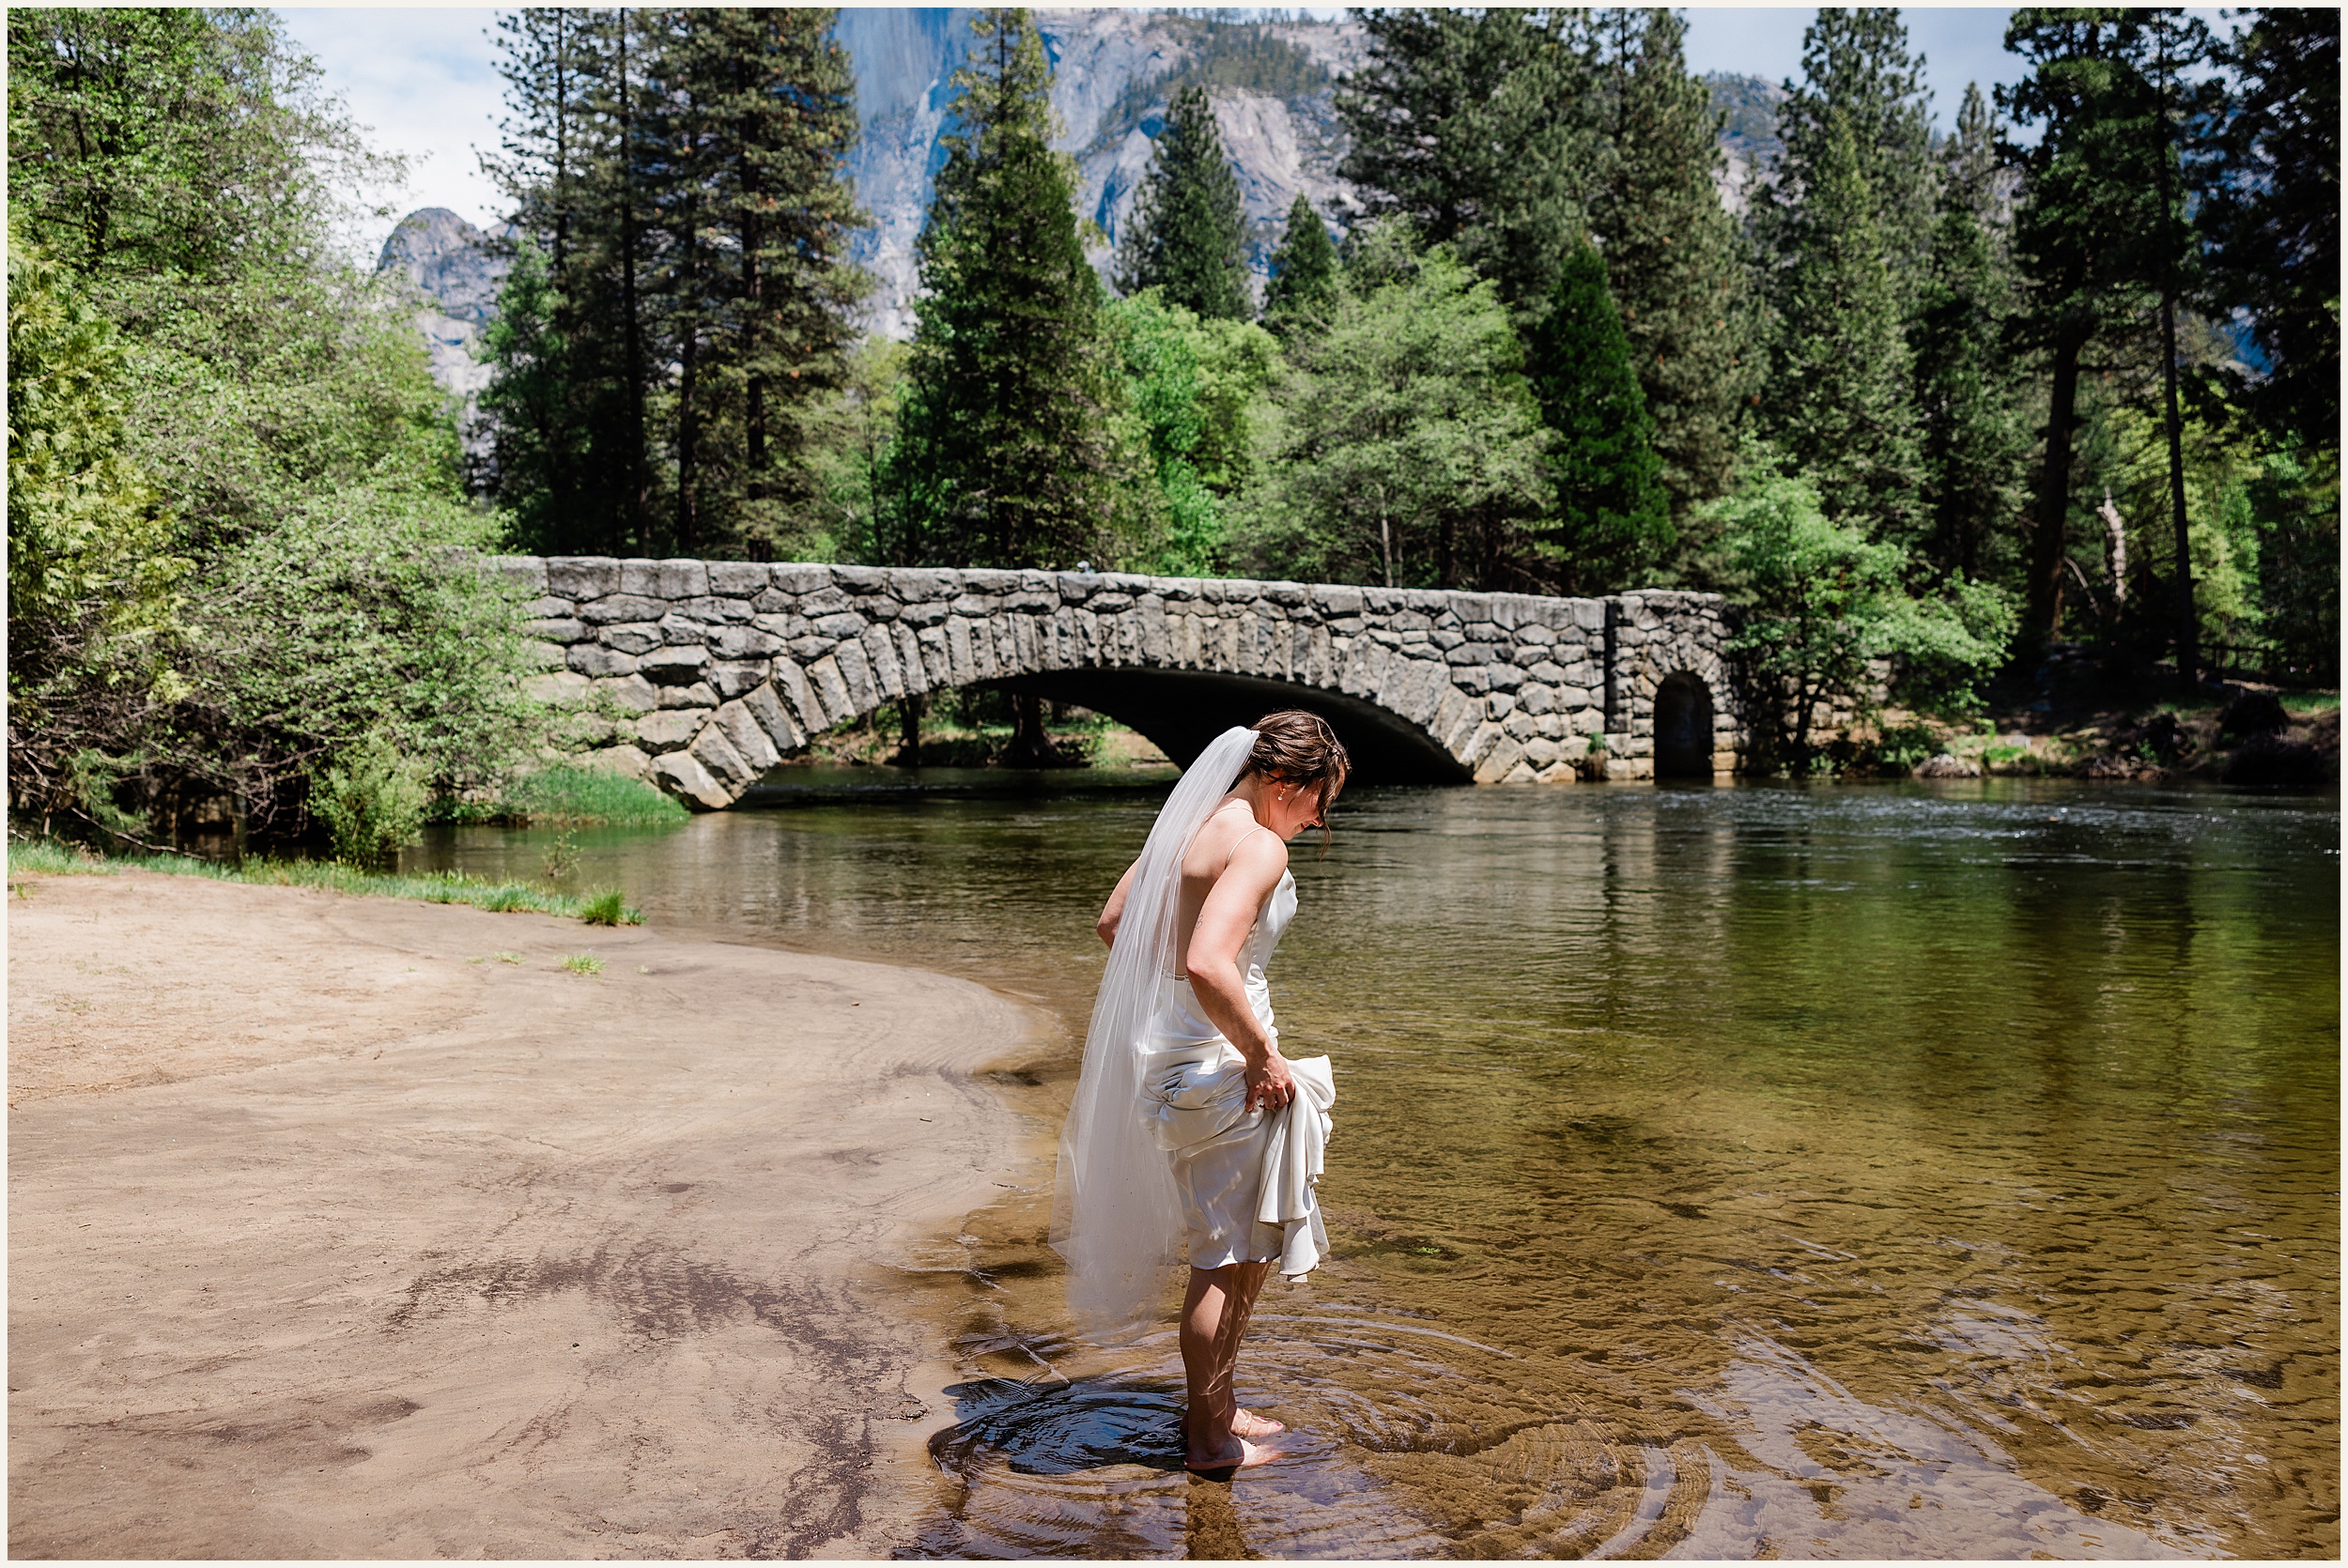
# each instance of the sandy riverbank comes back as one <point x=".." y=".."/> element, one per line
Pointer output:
<point x="333" y="1233"/>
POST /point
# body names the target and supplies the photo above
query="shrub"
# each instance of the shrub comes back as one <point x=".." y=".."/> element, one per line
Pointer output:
<point x="1823" y="603"/>
<point x="372" y="804"/>
<point x="609" y="907"/>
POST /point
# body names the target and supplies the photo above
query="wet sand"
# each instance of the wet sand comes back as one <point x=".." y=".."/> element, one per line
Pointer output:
<point x="335" y="1233"/>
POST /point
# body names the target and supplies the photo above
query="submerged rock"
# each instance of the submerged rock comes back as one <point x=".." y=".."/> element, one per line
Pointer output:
<point x="2115" y="766"/>
<point x="2276" y="760"/>
<point x="1947" y="766"/>
<point x="2254" y="712"/>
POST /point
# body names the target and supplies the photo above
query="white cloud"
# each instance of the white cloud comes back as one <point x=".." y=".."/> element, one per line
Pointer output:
<point x="424" y="80"/>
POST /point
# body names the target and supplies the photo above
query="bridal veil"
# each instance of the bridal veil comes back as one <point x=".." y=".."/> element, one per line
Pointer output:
<point x="1116" y="1215"/>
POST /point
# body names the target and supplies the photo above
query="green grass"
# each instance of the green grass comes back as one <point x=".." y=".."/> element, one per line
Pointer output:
<point x="584" y="963"/>
<point x="567" y="796"/>
<point x="609" y="907"/>
<point x="2310" y="701"/>
<point x="41" y="856"/>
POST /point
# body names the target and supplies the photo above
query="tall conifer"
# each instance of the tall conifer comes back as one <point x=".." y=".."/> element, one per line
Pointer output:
<point x="1672" y="258"/>
<point x="1856" y="62"/>
<point x="1613" y="513"/>
<point x="1007" y="452"/>
<point x="1481" y="127"/>
<point x="680" y="177"/>
<point x="2278" y="234"/>
<point x="1839" y="400"/>
<point x="1187" y="229"/>
<point x="1969" y="390"/>
<point x="1304" y="270"/>
<point x="2091" y="191"/>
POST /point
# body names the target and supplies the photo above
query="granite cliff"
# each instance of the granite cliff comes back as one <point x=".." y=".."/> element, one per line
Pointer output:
<point x="1273" y="84"/>
<point x="455" y="274"/>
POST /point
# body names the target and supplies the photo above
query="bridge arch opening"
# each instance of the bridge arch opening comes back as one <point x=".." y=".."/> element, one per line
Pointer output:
<point x="1683" y="726"/>
<point x="1180" y="711"/>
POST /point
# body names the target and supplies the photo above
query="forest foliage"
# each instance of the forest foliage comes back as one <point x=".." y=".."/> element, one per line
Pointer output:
<point x="237" y="524"/>
<point x="2067" y="372"/>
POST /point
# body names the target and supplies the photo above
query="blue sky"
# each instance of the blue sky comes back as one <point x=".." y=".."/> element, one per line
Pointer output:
<point x="425" y="80"/>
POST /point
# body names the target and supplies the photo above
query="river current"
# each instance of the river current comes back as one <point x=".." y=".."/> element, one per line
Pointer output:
<point x="1927" y="1170"/>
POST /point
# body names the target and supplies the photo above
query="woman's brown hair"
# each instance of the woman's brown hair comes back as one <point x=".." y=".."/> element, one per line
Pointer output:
<point x="1297" y="747"/>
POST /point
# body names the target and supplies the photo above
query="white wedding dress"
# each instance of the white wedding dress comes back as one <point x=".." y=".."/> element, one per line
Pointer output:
<point x="1241" y="1202"/>
<point x="1160" y="1156"/>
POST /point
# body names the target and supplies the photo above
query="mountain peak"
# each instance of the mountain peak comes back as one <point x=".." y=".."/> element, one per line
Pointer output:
<point x="452" y="263"/>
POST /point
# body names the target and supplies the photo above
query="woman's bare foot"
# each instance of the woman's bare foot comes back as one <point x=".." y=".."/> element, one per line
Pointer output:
<point x="1247" y="1423"/>
<point x="1237" y="1454"/>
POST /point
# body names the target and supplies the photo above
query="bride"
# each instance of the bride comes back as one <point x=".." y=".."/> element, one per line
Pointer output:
<point x="1190" y="1132"/>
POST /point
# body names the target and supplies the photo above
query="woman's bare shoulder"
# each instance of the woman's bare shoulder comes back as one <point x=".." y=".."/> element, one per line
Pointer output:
<point x="1259" y="856"/>
<point x="1211" y="850"/>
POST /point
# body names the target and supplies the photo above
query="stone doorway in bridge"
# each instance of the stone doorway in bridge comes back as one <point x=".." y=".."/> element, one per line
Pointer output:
<point x="1683" y="728"/>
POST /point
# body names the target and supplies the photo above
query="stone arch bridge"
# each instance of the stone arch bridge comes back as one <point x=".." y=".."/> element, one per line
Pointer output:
<point x="728" y="667"/>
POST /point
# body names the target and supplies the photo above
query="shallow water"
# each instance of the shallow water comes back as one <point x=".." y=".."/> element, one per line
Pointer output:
<point x="1939" y="1170"/>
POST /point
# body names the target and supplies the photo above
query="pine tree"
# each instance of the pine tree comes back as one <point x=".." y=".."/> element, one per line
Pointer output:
<point x="755" y="114"/>
<point x="2277" y="237"/>
<point x="1969" y="388"/>
<point x="1856" y="62"/>
<point x="1672" y="255"/>
<point x="561" y="459"/>
<point x="1840" y="401"/>
<point x="790" y="124"/>
<point x="1613" y="513"/>
<point x="2093" y="192"/>
<point x="1481" y="127"/>
<point x="680" y="174"/>
<point x="1187" y="226"/>
<point x="1304" y="271"/>
<point x="1005" y="455"/>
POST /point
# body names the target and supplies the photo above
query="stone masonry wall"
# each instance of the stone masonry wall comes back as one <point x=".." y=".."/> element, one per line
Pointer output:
<point x="723" y="667"/>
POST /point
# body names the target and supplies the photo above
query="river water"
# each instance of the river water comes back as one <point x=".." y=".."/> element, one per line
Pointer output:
<point x="1928" y="1170"/>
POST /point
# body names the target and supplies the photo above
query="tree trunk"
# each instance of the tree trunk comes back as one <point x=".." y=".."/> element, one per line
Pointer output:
<point x="2187" y="664"/>
<point x="1030" y="747"/>
<point x="2054" y="494"/>
<point x="2115" y="551"/>
<point x="688" y="387"/>
<point x="638" y="486"/>
<point x="909" y="718"/>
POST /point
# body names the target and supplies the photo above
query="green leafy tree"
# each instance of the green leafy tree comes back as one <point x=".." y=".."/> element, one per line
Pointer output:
<point x="1614" y="516"/>
<point x="2272" y="209"/>
<point x="1480" y="127"/>
<point x="1405" y="447"/>
<point x="1822" y="602"/>
<point x="92" y="568"/>
<point x="279" y="407"/>
<point x="1191" y="387"/>
<point x="87" y="533"/>
<point x="1304" y="270"/>
<point x="1187" y="231"/>
<point x="1672" y="253"/>
<point x="1970" y="388"/>
<point x="1840" y="398"/>
<point x="1008" y="450"/>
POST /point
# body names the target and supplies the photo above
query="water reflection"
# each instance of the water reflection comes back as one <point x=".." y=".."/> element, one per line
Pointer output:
<point x="1933" y="1170"/>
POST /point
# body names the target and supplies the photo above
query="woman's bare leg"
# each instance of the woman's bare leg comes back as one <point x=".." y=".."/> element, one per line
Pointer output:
<point x="1246" y="1284"/>
<point x="1216" y="1310"/>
